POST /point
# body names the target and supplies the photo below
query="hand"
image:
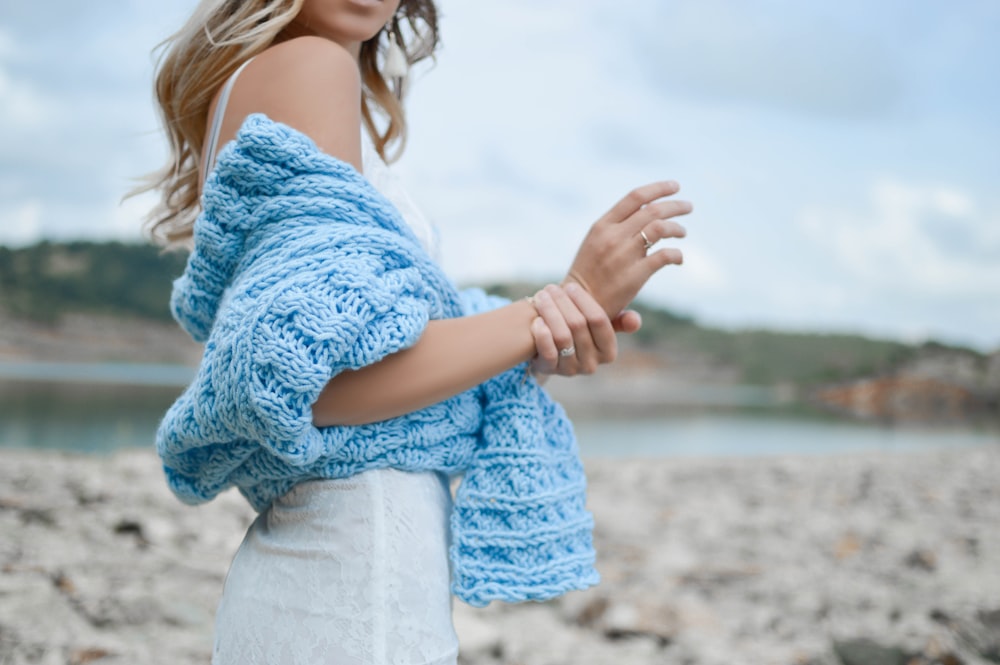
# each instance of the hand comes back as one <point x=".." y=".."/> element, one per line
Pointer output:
<point x="614" y="260"/>
<point x="570" y="318"/>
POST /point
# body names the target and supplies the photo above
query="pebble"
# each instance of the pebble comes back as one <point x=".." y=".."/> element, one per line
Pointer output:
<point x="868" y="558"/>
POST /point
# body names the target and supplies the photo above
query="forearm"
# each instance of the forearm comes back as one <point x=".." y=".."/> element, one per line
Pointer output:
<point x="451" y="356"/>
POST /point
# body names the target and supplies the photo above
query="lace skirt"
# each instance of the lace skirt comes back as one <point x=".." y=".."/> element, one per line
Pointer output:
<point x="345" y="572"/>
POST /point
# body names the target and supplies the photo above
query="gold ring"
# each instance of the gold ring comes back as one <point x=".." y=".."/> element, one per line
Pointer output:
<point x="645" y="240"/>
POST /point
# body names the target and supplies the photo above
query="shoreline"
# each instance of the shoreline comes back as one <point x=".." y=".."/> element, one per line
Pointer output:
<point x="614" y="393"/>
<point x="703" y="561"/>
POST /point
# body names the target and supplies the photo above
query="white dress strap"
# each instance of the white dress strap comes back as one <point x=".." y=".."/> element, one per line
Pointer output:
<point x="220" y="111"/>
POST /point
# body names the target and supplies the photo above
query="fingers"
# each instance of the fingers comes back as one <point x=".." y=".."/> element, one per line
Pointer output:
<point x="661" y="258"/>
<point x="639" y="197"/>
<point x="657" y="213"/>
<point x="574" y="321"/>
<point x="547" y="360"/>
<point x="629" y="321"/>
<point x="556" y="323"/>
<point x="584" y="359"/>
<point x="661" y="229"/>
<point x="598" y="325"/>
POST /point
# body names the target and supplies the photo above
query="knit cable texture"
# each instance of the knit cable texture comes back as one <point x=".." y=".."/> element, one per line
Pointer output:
<point x="301" y="270"/>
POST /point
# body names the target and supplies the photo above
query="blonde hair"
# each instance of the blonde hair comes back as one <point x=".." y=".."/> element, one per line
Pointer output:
<point x="221" y="35"/>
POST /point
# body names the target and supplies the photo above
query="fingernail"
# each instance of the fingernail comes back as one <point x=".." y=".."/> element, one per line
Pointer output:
<point x="572" y="287"/>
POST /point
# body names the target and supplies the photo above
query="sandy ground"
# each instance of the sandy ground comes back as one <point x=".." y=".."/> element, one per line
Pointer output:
<point x="794" y="561"/>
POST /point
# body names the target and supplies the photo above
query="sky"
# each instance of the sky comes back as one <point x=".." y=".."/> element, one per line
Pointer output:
<point x="843" y="158"/>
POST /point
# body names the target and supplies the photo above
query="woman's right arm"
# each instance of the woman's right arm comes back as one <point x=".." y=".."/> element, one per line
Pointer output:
<point x="454" y="355"/>
<point x="451" y="355"/>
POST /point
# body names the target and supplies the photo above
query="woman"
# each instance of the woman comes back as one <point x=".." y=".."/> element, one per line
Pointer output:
<point x="349" y="560"/>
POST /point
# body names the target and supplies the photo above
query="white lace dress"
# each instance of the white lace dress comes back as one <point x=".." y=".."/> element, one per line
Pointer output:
<point x="346" y="572"/>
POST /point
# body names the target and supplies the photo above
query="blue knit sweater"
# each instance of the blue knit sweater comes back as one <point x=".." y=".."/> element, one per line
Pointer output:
<point x="302" y="270"/>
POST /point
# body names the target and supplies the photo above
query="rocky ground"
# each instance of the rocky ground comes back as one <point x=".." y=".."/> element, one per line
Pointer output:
<point x="866" y="559"/>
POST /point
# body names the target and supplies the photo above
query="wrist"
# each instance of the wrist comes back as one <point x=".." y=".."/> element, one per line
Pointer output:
<point x="574" y="279"/>
<point x="528" y="312"/>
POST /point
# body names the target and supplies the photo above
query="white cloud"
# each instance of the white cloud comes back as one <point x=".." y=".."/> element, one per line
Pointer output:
<point x="952" y="202"/>
<point x="913" y="238"/>
<point x="7" y="48"/>
<point x="126" y="218"/>
<point x="780" y="55"/>
<point x="20" y="224"/>
<point x="703" y="269"/>
<point x="75" y="103"/>
<point x="22" y="107"/>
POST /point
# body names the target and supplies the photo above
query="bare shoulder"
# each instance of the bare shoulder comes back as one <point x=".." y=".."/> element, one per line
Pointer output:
<point x="308" y="60"/>
<point x="309" y="83"/>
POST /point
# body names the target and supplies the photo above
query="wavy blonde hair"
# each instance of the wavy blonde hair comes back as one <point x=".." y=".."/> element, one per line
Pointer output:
<point x="221" y="35"/>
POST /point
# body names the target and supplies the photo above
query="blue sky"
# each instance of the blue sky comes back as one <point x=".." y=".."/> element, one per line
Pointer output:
<point x="843" y="158"/>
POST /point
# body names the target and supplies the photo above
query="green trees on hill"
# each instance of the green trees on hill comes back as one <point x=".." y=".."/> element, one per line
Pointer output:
<point x="43" y="281"/>
<point x="767" y="357"/>
<point x="762" y="357"/>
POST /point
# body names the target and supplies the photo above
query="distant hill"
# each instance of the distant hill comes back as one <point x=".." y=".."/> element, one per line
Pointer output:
<point x="765" y="357"/>
<point x="42" y="283"/>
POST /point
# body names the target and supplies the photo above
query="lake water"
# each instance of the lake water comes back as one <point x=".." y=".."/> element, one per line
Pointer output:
<point x="87" y="409"/>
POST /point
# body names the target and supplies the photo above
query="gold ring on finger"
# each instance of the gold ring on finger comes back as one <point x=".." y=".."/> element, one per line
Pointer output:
<point x="645" y="239"/>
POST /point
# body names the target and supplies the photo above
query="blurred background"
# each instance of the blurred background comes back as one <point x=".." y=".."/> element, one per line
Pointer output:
<point x="839" y="294"/>
<point x="842" y="158"/>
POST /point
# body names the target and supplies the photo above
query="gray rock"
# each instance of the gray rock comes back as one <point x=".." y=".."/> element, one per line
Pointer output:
<point x="864" y="651"/>
<point x="641" y="618"/>
<point x="476" y="636"/>
<point x="982" y="634"/>
<point x="922" y="560"/>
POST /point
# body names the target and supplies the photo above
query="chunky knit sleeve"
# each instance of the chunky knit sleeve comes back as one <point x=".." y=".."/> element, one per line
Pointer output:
<point x="274" y="353"/>
<point x="300" y="271"/>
